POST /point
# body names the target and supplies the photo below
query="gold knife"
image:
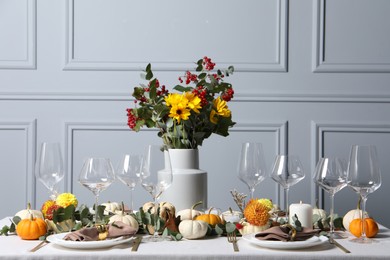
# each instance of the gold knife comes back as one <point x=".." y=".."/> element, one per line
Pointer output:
<point x="39" y="246"/>
<point x="136" y="243"/>
<point x="334" y="242"/>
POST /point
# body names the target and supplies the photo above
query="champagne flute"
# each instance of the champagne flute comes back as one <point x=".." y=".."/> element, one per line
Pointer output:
<point x="49" y="168"/>
<point x="251" y="168"/>
<point x="96" y="175"/>
<point x="128" y="173"/>
<point x="364" y="177"/>
<point x="287" y="170"/>
<point x="156" y="177"/>
<point x="331" y="175"/>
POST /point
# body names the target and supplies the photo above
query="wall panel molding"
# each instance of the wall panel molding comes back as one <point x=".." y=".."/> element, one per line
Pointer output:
<point x="29" y="128"/>
<point x="253" y="97"/>
<point x="29" y="61"/>
<point x="319" y="57"/>
<point x="279" y="64"/>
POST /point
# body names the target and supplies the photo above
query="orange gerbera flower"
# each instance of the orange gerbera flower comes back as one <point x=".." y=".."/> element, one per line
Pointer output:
<point x="256" y="213"/>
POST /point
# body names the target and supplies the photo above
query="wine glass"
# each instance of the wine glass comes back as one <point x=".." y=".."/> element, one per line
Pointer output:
<point x="128" y="173"/>
<point x="287" y="170"/>
<point x="251" y="167"/>
<point x="96" y="175"/>
<point x="364" y="177"/>
<point x="49" y="168"/>
<point x="331" y="175"/>
<point x="156" y="177"/>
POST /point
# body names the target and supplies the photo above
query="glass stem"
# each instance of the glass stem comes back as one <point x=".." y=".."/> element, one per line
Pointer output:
<point x="286" y="206"/>
<point x="131" y="201"/>
<point x="96" y="208"/>
<point x="155" y="234"/>
<point x="363" y="236"/>
<point x="252" y="190"/>
<point x="331" y="214"/>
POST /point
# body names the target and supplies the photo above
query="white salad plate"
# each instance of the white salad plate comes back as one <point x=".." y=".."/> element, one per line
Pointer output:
<point x="57" y="239"/>
<point x="313" y="241"/>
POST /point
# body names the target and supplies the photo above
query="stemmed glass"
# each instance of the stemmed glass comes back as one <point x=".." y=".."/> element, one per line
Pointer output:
<point x="331" y="175"/>
<point x="49" y="168"/>
<point x="251" y="167"/>
<point x="96" y="175"/>
<point x="287" y="170"/>
<point x="129" y="172"/>
<point x="364" y="177"/>
<point x="156" y="177"/>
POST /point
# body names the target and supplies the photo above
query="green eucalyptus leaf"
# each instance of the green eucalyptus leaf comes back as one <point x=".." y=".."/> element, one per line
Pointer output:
<point x="218" y="229"/>
<point x="230" y="227"/>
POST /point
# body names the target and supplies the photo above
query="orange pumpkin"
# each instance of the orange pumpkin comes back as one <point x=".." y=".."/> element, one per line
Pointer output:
<point x="211" y="219"/>
<point x="356" y="227"/>
<point x="31" y="228"/>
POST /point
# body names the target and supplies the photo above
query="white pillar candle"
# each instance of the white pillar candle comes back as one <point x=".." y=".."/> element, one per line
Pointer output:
<point x="304" y="213"/>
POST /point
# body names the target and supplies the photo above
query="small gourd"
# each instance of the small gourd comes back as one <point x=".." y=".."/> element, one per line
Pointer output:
<point x="371" y="227"/>
<point x="193" y="229"/>
<point x="164" y="206"/>
<point x="188" y="214"/>
<point x="31" y="228"/>
<point x="111" y="207"/>
<point x="125" y="218"/>
<point x="26" y="213"/>
<point x="211" y="219"/>
<point x="247" y="228"/>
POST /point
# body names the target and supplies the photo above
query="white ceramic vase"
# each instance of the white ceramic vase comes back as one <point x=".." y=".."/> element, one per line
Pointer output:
<point x="189" y="184"/>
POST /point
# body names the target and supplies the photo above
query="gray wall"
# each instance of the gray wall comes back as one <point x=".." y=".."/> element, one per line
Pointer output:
<point x="312" y="78"/>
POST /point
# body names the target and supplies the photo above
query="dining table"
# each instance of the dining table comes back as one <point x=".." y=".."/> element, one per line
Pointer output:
<point x="211" y="247"/>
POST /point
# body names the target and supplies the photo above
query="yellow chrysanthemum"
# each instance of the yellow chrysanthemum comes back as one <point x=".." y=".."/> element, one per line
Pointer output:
<point x="194" y="102"/>
<point x="66" y="199"/>
<point x="266" y="202"/>
<point x="256" y="213"/>
<point x="179" y="112"/>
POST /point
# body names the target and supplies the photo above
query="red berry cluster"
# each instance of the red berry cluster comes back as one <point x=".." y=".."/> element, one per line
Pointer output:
<point x="131" y="118"/>
<point x="228" y="95"/>
<point x="189" y="78"/>
<point x="207" y="63"/>
<point x="201" y="92"/>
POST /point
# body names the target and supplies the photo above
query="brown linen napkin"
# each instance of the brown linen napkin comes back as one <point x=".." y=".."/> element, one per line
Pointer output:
<point x="114" y="230"/>
<point x="279" y="233"/>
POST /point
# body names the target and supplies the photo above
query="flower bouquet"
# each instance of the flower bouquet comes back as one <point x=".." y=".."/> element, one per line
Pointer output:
<point x="186" y="117"/>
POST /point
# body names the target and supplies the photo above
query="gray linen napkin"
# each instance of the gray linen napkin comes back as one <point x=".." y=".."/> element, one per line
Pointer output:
<point x="279" y="233"/>
<point x="115" y="229"/>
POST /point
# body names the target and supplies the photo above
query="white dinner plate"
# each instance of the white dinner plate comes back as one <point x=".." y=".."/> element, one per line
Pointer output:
<point x="313" y="241"/>
<point x="58" y="240"/>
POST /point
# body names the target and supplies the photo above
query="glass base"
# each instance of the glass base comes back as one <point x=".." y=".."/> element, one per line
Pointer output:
<point x="154" y="238"/>
<point x="364" y="240"/>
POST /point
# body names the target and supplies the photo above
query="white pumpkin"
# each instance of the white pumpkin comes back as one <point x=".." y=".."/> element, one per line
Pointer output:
<point x="248" y="228"/>
<point x="112" y="207"/>
<point x="164" y="206"/>
<point x="185" y="214"/>
<point x="321" y="214"/>
<point x="351" y="215"/>
<point x="64" y="226"/>
<point x="193" y="229"/>
<point x="26" y="213"/>
<point x="127" y="219"/>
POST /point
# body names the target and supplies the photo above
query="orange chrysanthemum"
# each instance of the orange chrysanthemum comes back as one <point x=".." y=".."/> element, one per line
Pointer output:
<point x="256" y="213"/>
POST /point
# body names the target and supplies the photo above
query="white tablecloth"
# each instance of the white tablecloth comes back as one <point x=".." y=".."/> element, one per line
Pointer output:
<point x="12" y="247"/>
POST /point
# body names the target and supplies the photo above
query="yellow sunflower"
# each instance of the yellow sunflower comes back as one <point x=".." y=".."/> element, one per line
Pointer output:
<point x="179" y="112"/>
<point x="194" y="102"/>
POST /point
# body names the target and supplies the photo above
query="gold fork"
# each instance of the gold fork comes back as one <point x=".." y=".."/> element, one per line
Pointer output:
<point x="233" y="239"/>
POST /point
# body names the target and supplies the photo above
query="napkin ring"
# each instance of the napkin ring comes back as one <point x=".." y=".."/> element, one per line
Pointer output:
<point x="103" y="231"/>
<point x="291" y="231"/>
